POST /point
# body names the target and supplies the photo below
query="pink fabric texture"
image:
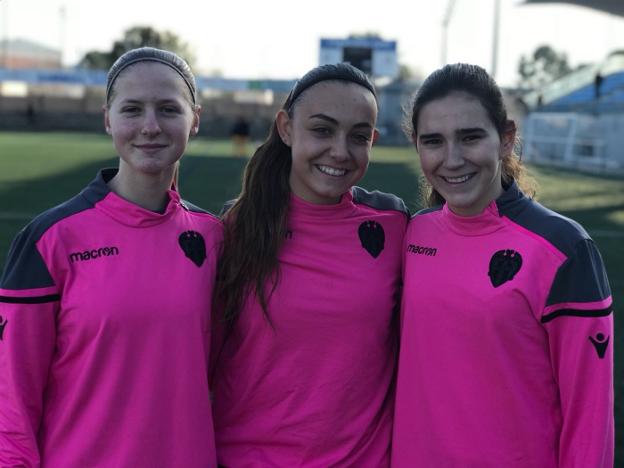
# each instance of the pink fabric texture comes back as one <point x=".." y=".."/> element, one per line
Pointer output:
<point x="107" y="365"/>
<point x="488" y="377"/>
<point x="314" y="387"/>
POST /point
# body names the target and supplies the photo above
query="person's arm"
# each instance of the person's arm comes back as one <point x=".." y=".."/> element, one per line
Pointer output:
<point x="579" y="321"/>
<point x="28" y="303"/>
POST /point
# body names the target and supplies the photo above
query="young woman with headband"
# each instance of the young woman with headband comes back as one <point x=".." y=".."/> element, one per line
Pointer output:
<point x="106" y="298"/>
<point x="308" y="284"/>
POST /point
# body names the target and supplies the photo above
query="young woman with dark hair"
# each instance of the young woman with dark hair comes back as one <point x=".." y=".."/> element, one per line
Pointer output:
<point x="105" y="300"/>
<point x="506" y="353"/>
<point x="308" y="283"/>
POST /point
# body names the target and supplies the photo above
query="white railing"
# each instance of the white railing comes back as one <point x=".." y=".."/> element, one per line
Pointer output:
<point x="568" y="140"/>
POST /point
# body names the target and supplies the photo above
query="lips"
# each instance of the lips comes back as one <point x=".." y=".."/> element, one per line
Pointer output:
<point x="456" y="180"/>
<point x="331" y="171"/>
<point x="150" y="147"/>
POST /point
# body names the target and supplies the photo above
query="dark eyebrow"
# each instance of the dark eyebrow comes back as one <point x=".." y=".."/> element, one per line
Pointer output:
<point x="324" y="117"/>
<point x="465" y="131"/>
<point x="335" y="122"/>
<point x="460" y="132"/>
<point x="160" y="101"/>
<point x="428" y="135"/>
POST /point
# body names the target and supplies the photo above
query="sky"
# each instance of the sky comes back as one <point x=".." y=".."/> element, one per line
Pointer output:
<point x="280" y="38"/>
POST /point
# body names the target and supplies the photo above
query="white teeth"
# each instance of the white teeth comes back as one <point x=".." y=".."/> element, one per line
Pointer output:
<point x="332" y="171"/>
<point x="457" y="180"/>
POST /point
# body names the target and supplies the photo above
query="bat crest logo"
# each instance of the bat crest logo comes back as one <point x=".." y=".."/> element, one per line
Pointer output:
<point x="372" y="237"/>
<point x="193" y="246"/>
<point x="504" y="265"/>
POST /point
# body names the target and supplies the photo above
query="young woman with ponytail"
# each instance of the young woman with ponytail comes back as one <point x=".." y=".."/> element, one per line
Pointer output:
<point x="307" y="284"/>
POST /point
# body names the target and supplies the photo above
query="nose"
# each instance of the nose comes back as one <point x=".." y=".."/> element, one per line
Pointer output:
<point x="454" y="158"/>
<point x="151" y="126"/>
<point x="340" y="148"/>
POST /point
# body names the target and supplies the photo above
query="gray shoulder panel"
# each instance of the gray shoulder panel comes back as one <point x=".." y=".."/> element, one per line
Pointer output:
<point x="193" y="208"/>
<point x="24" y="268"/>
<point x="564" y="233"/>
<point x="430" y="209"/>
<point x="582" y="277"/>
<point x="226" y="207"/>
<point x="379" y="200"/>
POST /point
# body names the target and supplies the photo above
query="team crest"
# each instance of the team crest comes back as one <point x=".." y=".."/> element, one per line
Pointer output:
<point x="504" y="265"/>
<point x="372" y="237"/>
<point x="193" y="246"/>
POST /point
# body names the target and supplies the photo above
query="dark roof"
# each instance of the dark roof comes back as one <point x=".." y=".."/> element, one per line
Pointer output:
<point x="615" y="7"/>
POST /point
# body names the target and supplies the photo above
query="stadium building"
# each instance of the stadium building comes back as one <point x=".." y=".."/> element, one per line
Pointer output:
<point x="577" y="121"/>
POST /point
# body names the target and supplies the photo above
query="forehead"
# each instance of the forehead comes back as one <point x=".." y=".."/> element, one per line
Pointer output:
<point x="451" y="112"/>
<point x="149" y="78"/>
<point x="337" y="99"/>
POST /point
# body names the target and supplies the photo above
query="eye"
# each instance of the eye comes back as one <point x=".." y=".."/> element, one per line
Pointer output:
<point x="361" y="138"/>
<point x="431" y="141"/>
<point x="170" y="109"/>
<point x="472" y="137"/>
<point x="130" y="110"/>
<point x="322" y="131"/>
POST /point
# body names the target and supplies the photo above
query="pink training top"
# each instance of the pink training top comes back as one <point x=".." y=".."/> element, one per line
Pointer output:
<point x="315" y="388"/>
<point x="506" y="353"/>
<point x="105" y="336"/>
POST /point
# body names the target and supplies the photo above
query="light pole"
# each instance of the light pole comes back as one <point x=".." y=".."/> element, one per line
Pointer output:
<point x="495" y="38"/>
<point x="62" y="31"/>
<point x="445" y="22"/>
<point x="5" y="34"/>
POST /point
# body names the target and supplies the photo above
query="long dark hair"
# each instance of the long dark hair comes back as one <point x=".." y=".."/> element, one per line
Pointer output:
<point x="475" y="81"/>
<point x="256" y="224"/>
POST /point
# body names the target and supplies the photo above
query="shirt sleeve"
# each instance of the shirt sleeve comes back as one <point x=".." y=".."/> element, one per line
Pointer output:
<point x="28" y="303"/>
<point x="579" y="321"/>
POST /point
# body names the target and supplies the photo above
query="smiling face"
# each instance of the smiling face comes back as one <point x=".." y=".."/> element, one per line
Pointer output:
<point x="461" y="152"/>
<point x="150" y="118"/>
<point x="330" y="132"/>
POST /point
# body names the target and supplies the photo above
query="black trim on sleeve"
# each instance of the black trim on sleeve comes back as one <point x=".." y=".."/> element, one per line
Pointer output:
<point x="577" y="313"/>
<point x="30" y="300"/>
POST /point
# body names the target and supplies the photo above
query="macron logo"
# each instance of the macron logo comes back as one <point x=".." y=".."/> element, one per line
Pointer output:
<point x="93" y="254"/>
<point x="417" y="249"/>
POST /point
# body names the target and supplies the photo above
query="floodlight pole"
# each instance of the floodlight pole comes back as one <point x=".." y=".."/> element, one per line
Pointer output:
<point x="495" y="38"/>
<point x="445" y="23"/>
<point x="5" y="34"/>
<point x="62" y="28"/>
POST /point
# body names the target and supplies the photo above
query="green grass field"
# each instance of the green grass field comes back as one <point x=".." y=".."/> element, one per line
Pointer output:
<point x="38" y="171"/>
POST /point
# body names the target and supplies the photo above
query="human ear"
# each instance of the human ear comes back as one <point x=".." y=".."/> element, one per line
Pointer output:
<point x="508" y="138"/>
<point x="284" y="126"/>
<point x="375" y="136"/>
<point x="107" y="126"/>
<point x="195" y="126"/>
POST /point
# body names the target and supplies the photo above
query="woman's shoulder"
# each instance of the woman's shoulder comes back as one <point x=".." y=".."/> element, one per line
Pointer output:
<point x="380" y="201"/>
<point x="559" y="230"/>
<point x="197" y="210"/>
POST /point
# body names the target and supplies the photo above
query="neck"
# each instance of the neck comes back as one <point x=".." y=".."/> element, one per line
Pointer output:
<point x="148" y="191"/>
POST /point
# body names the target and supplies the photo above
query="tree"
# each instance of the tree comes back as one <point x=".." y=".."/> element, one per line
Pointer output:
<point x="137" y="36"/>
<point x="543" y="67"/>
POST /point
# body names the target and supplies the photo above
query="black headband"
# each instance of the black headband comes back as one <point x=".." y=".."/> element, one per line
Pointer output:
<point x="329" y="72"/>
<point x="150" y="54"/>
